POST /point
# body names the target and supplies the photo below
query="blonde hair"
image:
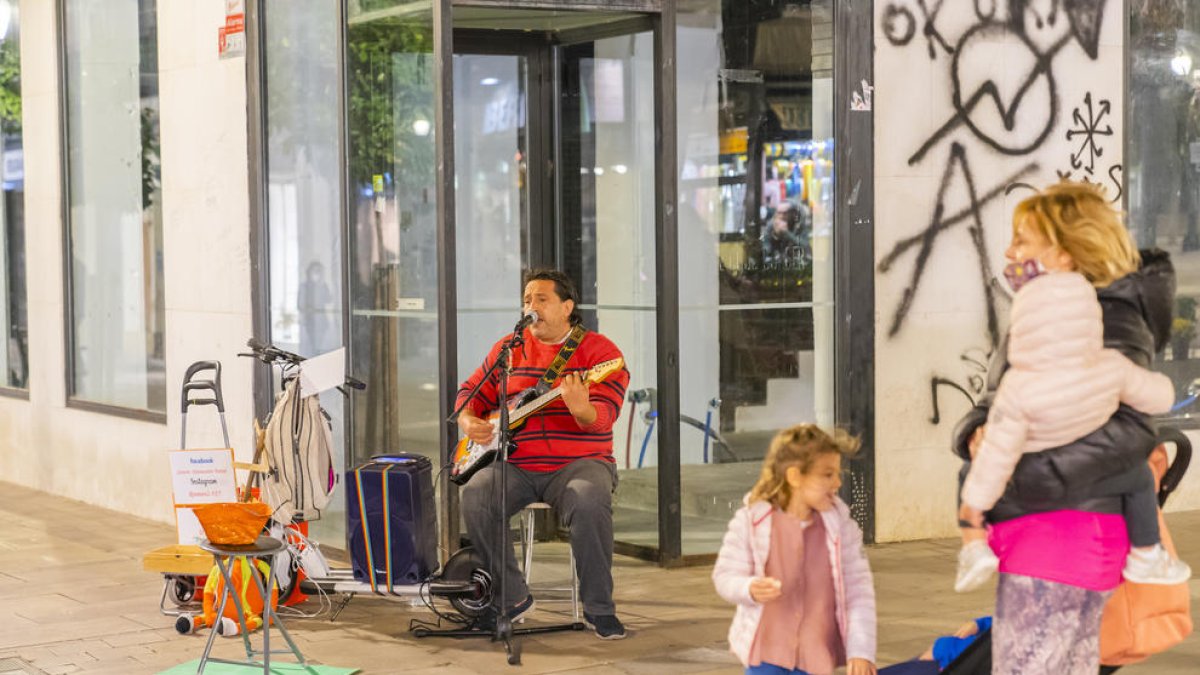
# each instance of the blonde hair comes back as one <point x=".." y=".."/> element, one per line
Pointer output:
<point x="797" y="446"/>
<point x="1076" y="218"/>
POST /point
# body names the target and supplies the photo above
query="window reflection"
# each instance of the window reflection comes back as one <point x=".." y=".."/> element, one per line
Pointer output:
<point x="756" y="181"/>
<point x="115" y="193"/>
<point x="303" y="197"/>
<point x="14" y="352"/>
<point x="1163" y="167"/>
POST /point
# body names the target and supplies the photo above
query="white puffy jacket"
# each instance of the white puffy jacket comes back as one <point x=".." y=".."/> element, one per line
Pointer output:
<point x="743" y="557"/>
<point x="1061" y="385"/>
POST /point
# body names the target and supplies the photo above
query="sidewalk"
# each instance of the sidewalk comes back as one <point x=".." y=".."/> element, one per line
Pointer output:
<point x="73" y="598"/>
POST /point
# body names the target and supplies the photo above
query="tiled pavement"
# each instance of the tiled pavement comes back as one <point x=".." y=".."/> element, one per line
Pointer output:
<point x="74" y="598"/>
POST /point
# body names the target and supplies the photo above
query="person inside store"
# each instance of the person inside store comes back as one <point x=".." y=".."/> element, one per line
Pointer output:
<point x="564" y="452"/>
<point x="783" y="237"/>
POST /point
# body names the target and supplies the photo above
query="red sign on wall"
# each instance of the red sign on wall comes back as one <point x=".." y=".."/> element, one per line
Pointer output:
<point x="231" y="38"/>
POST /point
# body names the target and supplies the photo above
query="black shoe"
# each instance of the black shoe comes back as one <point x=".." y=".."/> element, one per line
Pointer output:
<point x="487" y="620"/>
<point x="519" y="610"/>
<point x="607" y="626"/>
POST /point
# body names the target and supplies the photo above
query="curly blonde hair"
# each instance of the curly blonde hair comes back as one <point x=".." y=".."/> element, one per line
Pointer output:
<point x="800" y="446"/>
<point x="1077" y="218"/>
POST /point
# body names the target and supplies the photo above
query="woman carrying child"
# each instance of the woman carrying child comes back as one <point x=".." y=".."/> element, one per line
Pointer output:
<point x="793" y="563"/>
<point x="1059" y="531"/>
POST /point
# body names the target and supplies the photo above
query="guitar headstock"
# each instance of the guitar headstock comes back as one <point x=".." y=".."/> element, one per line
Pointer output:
<point x="602" y="370"/>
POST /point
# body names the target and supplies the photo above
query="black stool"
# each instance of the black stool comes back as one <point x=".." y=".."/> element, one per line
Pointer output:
<point x="263" y="547"/>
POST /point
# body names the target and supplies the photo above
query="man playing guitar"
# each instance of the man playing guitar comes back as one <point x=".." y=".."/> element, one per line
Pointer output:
<point x="563" y="452"/>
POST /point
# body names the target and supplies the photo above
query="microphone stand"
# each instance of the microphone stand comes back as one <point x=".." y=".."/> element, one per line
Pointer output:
<point x="503" y="631"/>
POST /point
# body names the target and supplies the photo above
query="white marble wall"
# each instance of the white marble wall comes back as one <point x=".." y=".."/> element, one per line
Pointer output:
<point x="939" y="154"/>
<point x="113" y="461"/>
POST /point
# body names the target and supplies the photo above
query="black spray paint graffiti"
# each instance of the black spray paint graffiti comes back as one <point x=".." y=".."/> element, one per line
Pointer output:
<point x="1038" y="74"/>
<point x="1011" y="121"/>
<point x="1114" y="178"/>
<point x="976" y="361"/>
<point x="940" y="223"/>
<point x="900" y="26"/>
<point x="1085" y="17"/>
<point x="1089" y="127"/>
<point x="1003" y="125"/>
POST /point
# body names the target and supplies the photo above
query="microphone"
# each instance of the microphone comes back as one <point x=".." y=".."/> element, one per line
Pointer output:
<point x="529" y="317"/>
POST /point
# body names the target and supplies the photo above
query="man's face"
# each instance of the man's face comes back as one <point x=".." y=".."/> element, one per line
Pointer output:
<point x="554" y="313"/>
<point x="781" y="219"/>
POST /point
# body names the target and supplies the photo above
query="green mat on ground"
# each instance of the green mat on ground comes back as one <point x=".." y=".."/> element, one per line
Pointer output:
<point x="284" y="668"/>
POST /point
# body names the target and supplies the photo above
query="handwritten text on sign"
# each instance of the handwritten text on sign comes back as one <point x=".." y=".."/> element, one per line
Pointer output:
<point x="203" y="476"/>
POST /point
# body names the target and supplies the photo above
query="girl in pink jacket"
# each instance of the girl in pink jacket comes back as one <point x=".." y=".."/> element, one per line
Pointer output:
<point x="1061" y="385"/>
<point x="793" y="563"/>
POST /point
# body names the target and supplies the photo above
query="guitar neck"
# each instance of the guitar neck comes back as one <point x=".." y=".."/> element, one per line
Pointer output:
<point x="518" y="415"/>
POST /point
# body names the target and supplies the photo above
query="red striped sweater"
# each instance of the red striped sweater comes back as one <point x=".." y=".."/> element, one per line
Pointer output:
<point x="551" y="438"/>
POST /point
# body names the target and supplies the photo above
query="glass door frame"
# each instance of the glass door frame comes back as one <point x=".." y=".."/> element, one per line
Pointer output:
<point x="659" y="17"/>
<point x="853" y="238"/>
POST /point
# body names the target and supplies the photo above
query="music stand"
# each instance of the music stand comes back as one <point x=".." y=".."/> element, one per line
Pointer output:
<point x="503" y="630"/>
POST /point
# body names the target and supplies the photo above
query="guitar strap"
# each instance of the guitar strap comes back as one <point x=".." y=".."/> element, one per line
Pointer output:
<point x="560" y="361"/>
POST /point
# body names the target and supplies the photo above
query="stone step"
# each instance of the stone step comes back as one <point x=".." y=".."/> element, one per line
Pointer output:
<point x="709" y="490"/>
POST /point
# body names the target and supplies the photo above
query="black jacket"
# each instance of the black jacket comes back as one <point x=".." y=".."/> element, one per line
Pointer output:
<point x="1137" y="309"/>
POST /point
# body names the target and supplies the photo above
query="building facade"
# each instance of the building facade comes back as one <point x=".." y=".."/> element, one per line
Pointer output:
<point x="780" y="211"/>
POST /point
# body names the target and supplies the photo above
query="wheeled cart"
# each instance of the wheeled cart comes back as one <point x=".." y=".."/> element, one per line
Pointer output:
<point x="185" y="566"/>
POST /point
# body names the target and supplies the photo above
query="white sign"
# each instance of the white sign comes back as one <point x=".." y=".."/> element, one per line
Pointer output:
<point x="188" y="526"/>
<point x="203" y="476"/>
<point x="322" y="373"/>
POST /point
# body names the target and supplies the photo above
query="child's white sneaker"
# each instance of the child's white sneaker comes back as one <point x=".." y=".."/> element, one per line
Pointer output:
<point x="976" y="564"/>
<point x="1155" y="566"/>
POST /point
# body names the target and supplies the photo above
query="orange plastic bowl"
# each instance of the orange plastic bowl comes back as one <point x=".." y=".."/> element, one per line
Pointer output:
<point x="232" y="523"/>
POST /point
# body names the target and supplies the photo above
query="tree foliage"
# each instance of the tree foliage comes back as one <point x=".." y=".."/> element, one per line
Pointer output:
<point x="10" y="86"/>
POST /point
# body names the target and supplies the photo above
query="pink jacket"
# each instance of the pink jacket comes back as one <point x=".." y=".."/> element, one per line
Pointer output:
<point x="743" y="556"/>
<point x="1061" y="385"/>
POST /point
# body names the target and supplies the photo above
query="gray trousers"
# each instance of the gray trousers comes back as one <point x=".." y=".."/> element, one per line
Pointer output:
<point x="580" y="492"/>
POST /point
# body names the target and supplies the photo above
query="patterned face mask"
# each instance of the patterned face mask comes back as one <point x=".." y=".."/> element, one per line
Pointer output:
<point x="1020" y="273"/>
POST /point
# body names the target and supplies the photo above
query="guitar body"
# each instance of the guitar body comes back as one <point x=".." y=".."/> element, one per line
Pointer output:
<point x="469" y="457"/>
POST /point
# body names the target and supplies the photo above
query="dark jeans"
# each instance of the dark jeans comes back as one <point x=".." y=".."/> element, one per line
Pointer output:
<point x="581" y="493"/>
<point x="1139" y="504"/>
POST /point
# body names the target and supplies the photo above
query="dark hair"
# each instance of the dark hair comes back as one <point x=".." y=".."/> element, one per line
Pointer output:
<point x="564" y="288"/>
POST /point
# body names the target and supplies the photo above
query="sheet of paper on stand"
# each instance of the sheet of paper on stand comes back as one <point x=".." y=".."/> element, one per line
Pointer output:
<point x="322" y="373"/>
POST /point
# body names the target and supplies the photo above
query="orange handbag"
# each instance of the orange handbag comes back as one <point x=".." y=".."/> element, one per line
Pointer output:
<point x="1142" y="619"/>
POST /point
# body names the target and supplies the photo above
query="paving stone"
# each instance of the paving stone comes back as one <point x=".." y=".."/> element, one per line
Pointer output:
<point x="74" y="598"/>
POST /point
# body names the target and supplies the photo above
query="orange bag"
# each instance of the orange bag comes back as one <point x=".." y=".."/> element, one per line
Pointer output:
<point x="1144" y="619"/>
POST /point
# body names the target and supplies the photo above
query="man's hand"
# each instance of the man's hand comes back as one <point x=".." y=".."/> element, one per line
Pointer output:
<point x="860" y="667"/>
<point x="765" y="589"/>
<point x="574" y="387"/>
<point x="966" y="630"/>
<point x="970" y="514"/>
<point x="479" y="430"/>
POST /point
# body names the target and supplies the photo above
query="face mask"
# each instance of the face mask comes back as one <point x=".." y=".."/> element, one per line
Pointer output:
<point x="1020" y="273"/>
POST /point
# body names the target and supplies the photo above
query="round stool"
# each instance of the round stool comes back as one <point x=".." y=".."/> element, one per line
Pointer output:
<point x="263" y="547"/>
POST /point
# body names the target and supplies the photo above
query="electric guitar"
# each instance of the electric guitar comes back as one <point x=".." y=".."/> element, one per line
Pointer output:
<point x="470" y="457"/>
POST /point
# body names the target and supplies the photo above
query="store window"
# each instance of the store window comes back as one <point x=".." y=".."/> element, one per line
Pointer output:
<point x="1163" y="160"/>
<point x="755" y="135"/>
<point x="304" y="187"/>
<point x="114" y="198"/>
<point x="14" y="352"/>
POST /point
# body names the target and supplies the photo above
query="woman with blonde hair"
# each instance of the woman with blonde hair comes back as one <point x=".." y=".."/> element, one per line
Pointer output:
<point x="1058" y="529"/>
<point x="793" y="563"/>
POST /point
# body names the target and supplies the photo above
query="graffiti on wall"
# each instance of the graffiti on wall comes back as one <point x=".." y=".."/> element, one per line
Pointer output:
<point x="1003" y="125"/>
